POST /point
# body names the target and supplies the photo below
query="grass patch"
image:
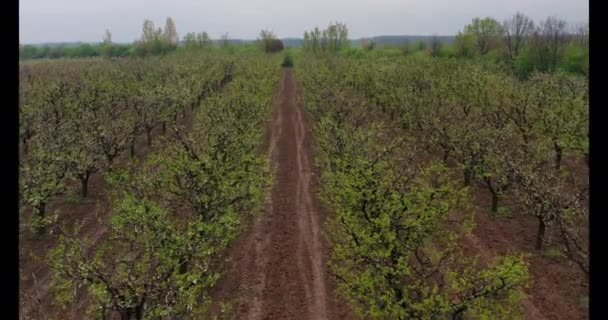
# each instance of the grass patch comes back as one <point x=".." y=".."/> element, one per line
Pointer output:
<point x="553" y="253"/>
<point x="75" y="198"/>
<point x="504" y="212"/>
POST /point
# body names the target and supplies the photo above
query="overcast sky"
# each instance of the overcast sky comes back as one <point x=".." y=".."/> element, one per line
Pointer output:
<point x="86" y="20"/>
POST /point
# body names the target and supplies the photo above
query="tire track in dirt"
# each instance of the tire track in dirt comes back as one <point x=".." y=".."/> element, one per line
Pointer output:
<point x="276" y="269"/>
<point x="294" y="281"/>
<point x="309" y="224"/>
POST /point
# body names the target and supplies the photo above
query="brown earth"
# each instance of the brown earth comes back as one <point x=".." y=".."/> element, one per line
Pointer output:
<point x="278" y="269"/>
<point x="556" y="286"/>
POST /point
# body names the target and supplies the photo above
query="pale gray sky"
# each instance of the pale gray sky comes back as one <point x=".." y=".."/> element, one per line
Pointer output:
<point x="86" y="20"/>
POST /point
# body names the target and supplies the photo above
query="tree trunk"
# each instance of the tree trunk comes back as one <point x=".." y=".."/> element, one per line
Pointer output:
<point x="558" y="155"/>
<point x="458" y="313"/>
<point x="164" y="127"/>
<point x="25" y="148"/>
<point x="41" y="210"/>
<point x="110" y="163"/>
<point x="149" y="136"/>
<point x="139" y="310"/>
<point x="84" y="182"/>
<point x="132" y="149"/>
<point x="494" y="194"/>
<point x="467" y="176"/>
<point x="183" y="268"/>
<point x="446" y="155"/>
<point x="126" y="314"/>
<point x="540" y="236"/>
<point x="494" y="203"/>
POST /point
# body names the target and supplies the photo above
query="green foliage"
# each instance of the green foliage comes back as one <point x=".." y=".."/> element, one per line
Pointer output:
<point x="156" y="259"/>
<point x="76" y="198"/>
<point x="397" y="224"/>
<point x="525" y="63"/>
<point x="354" y="53"/>
<point x="524" y="48"/>
<point x="331" y="40"/>
<point x="464" y="45"/>
<point x="268" y="42"/>
<point x="485" y="33"/>
<point x="197" y="40"/>
<point x="576" y="59"/>
<point x="420" y="45"/>
<point x="38" y="224"/>
<point x="287" y="60"/>
<point x="552" y="252"/>
<point x="504" y="212"/>
<point x="368" y="44"/>
<point x="147" y="279"/>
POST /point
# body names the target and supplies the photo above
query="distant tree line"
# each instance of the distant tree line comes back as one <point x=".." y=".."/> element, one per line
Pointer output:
<point x="518" y="43"/>
<point x="524" y="46"/>
<point x="153" y="41"/>
<point x="269" y="42"/>
<point x="77" y="51"/>
<point x="333" y="39"/>
<point x="197" y="40"/>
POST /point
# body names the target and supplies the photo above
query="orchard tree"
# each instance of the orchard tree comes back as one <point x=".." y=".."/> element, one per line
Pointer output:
<point x="84" y="156"/>
<point x="41" y="177"/>
<point x="29" y="99"/>
<point x="213" y="169"/>
<point x="106" y="114"/>
<point x="564" y="112"/>
<point x="539" y="186"/>
<point x="387" y="212"/>
<point x="574" y="228"/>
<point x="42" y="173"/>
<point x="136" y="271"/>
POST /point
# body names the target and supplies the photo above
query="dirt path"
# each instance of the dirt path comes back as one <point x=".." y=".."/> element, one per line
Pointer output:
<point x="278" y="268"/>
